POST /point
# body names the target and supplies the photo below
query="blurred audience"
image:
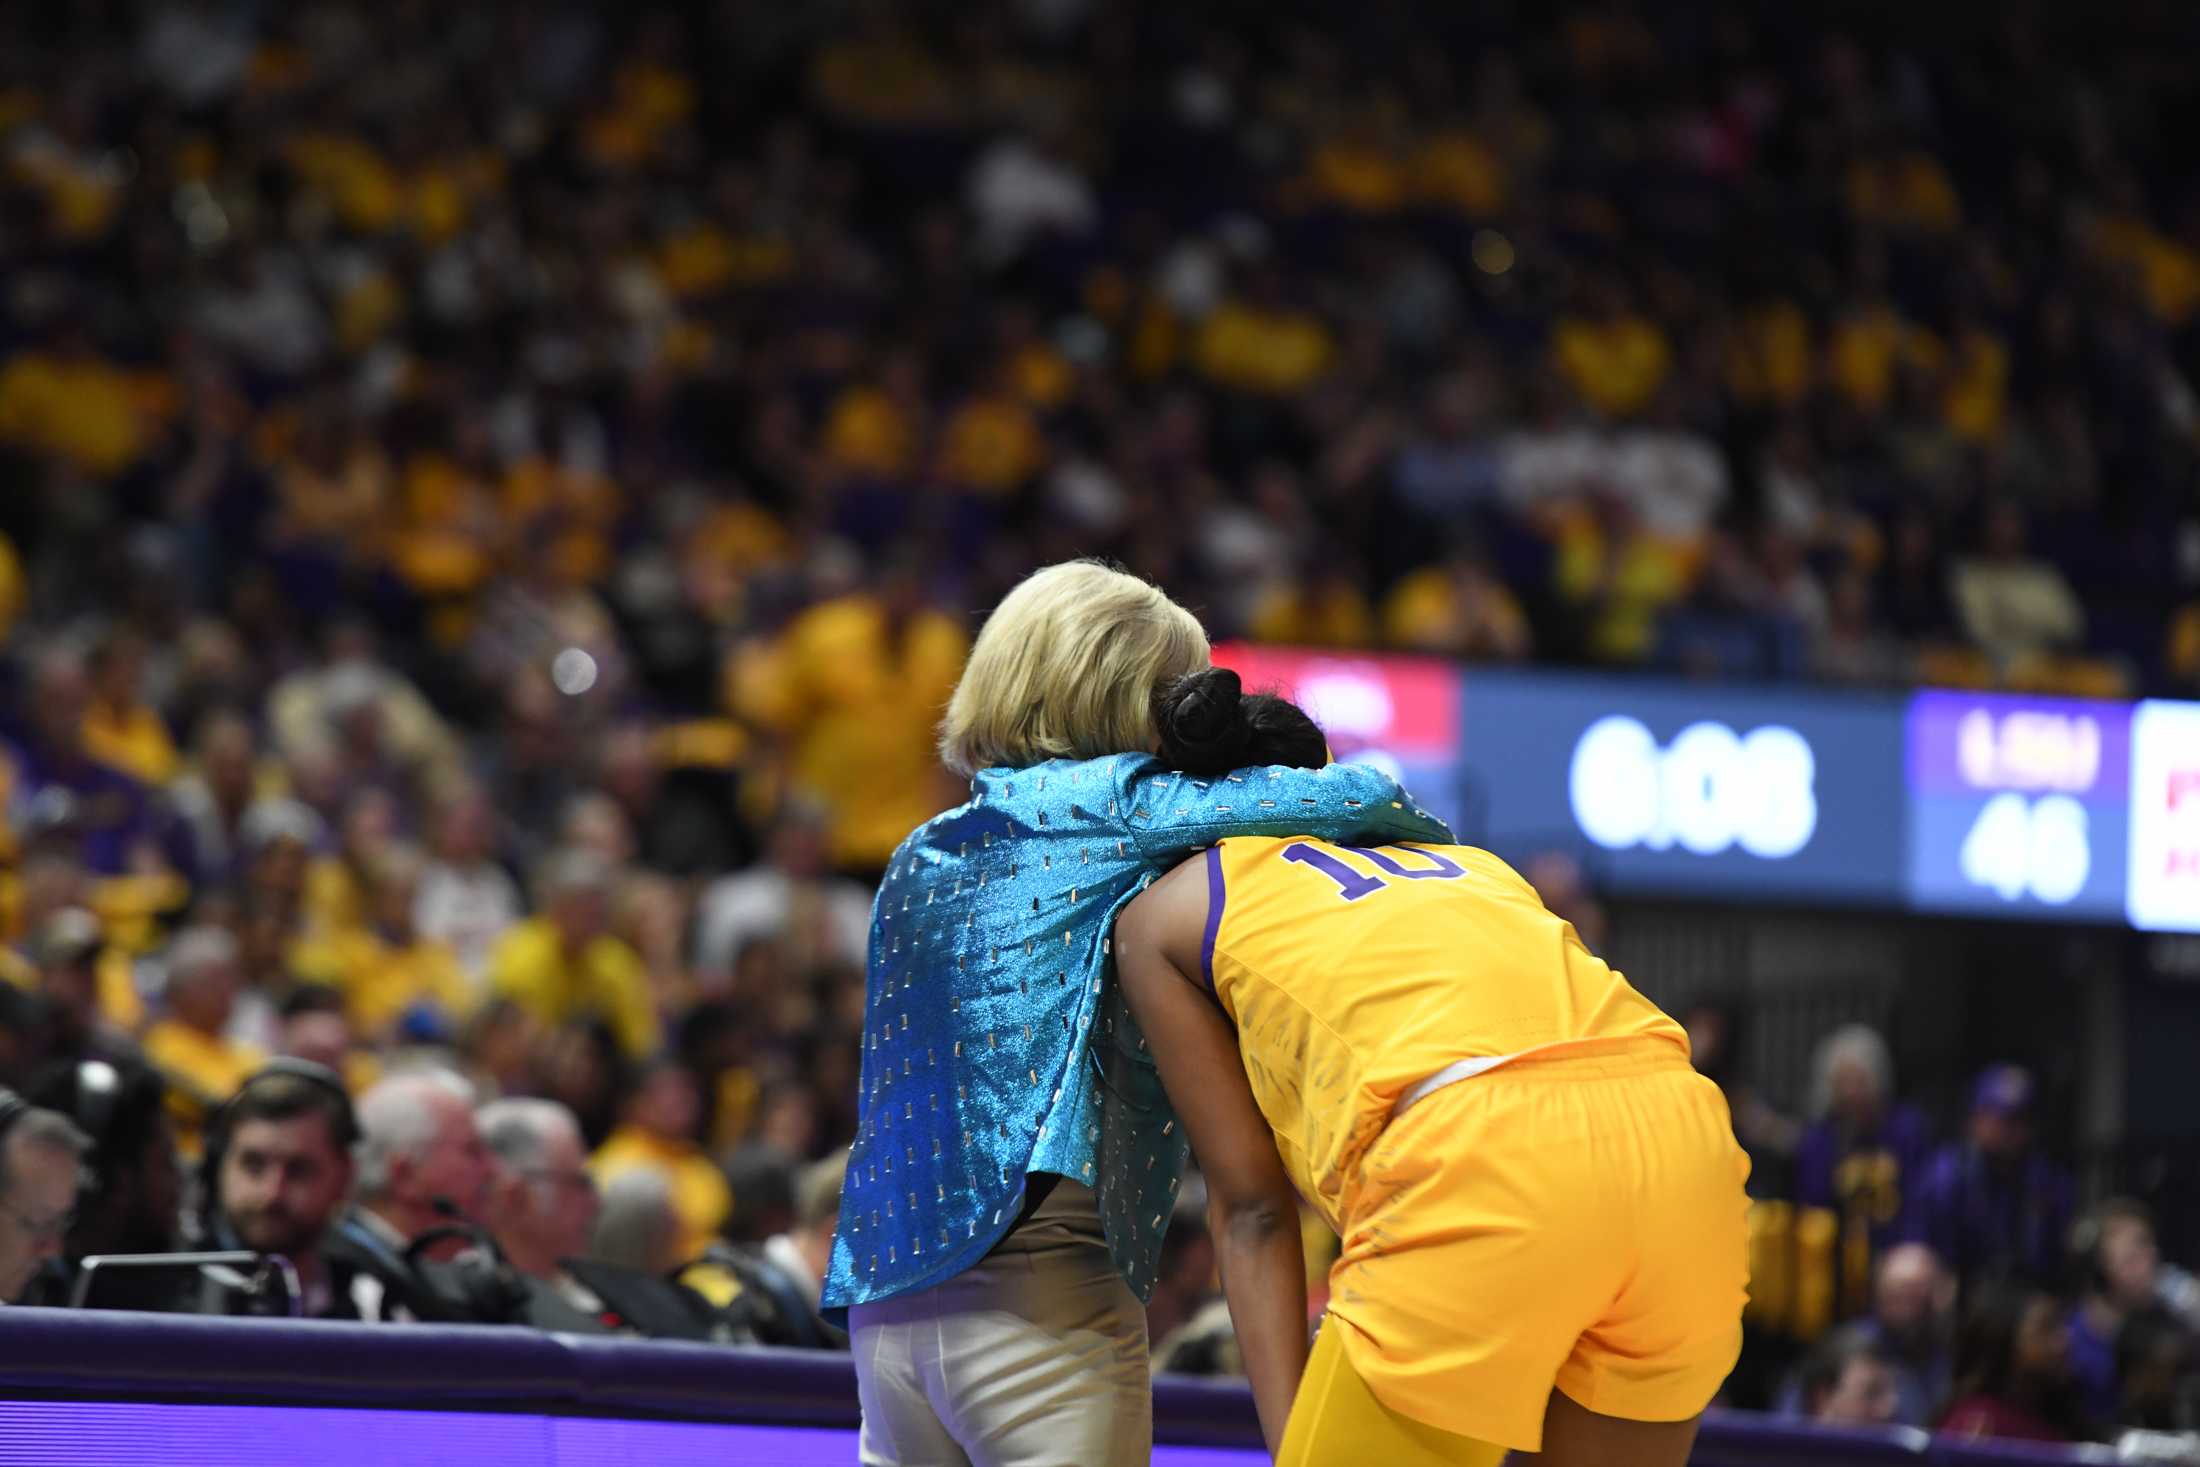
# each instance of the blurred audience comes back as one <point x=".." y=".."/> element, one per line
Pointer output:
<point x="656" y="1133"/>
<point x="1907" y="1335"/>
<point x="790" y="898"/>
<point x="1993" y="1204"/>
<point x="804" y="1252"/>
<point x="134" y="1186"/>
<point x="2128" y="1312"/>
<point x="41" y="1172"/>
<point x="192" y="1043"/>
<point x="2012" y="1370"/>
<point x="638" y="1228"/>
<point x="542" y="1206"/>
<point x="567" y="964"/>
<point x="460" y="478"/>
<point x="1862" y="1156"/>
<point x="1847" y="1380"/>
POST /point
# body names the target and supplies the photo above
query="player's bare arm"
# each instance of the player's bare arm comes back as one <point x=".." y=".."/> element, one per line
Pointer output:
<point x="1252" y="1208"/>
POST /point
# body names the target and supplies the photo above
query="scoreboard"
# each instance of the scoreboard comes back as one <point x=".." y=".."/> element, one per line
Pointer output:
<point x="1974" y="804"/>
<point x="2018" y="806"/>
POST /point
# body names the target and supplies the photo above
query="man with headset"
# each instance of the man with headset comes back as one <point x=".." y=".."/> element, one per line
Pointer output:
<point x="277" y="1174"/>
<point x="41" y="1168"/>
<point x="281" y="1165"/>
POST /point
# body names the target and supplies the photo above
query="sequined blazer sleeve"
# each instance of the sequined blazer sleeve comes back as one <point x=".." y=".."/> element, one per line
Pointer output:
<point x="1174" y="814"/>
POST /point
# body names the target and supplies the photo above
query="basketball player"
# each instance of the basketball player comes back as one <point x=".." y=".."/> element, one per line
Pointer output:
<point x="1539" y="1199"/>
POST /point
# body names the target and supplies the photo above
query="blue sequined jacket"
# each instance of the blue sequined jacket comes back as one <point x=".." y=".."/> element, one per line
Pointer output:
<point x="996" y="1043"/>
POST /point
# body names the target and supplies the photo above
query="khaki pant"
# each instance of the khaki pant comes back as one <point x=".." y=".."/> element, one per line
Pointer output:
<point x="1036" y="1357"/>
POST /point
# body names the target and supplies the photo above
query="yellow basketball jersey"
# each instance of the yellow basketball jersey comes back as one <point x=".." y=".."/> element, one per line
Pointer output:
<point x="1354" y="974"/>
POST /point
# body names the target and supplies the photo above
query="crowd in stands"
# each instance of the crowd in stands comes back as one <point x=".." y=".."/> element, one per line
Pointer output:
<point x="492" y="501"/>
<point x="1955" y="1285"/>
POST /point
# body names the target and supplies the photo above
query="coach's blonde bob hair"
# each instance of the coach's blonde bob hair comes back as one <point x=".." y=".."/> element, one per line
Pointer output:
<point x="1066" y="668"/>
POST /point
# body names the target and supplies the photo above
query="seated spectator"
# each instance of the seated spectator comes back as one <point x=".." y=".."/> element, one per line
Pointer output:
<point x="1913" y="1301"/>
<point x="498" y="1048"/>
<point x="679" y="797"/>
<point x="1854" y="646"/>
<point x="805" y="1251"/>
<point x="465" y="899"/>
<point x="1913" y="591"/>
<point x="783" y="1282"/>
<point x="656" y="1133"/>
<point x="1848" y="1381"/>
<point x="566" y="964"/>
<point x="133" y="1169"/>
<point x="855" y="685"/>
<point x="2012" y="1373"/>
<point x="2158" y="1361"/>
<point x="1862" y="1156"/>
<point x="315" y="1027"/>
<point x="1907" y="1331"/>
<point x="2124" y="1280"/>
<point x="93" y="1001"/>
<point x="1615" y="356"/>
<point x="26" y="1030"/>
<point x="421" y="1166"/>
<point x="105" y="812"/>
<point x="191" y="1043"/>
<point x="792" y="897"/>
<point x="279" y="1169"/>
<point x="638" y="1228"/>
<point x="1457" y="609"/>
<point x="391" y="977"/>
<point x="212" y="796"/>
<point x="543" y="1206"/>
<point x="2012" y="604"/>
<point x="121" y="729"/>
<point x="1260" y="342"/>
<point x="1991" y="1205"/>
<point x="41" y="1170"/>
<point x="320" y="705"/>
<point x="339" y="884"/>
<point x="1321" y="605"/>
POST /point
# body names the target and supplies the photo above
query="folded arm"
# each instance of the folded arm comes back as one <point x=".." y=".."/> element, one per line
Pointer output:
<point x="1344" y="802"/>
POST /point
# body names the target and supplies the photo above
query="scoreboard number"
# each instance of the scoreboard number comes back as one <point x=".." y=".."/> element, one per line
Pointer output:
<point x="2038" y="847"/>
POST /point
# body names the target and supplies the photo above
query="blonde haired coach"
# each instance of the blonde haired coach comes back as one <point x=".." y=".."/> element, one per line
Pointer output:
<point x="1016" y="1161"/>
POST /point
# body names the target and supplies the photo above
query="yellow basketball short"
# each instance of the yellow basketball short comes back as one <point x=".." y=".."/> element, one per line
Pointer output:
<point x="1574" y="1219"/>
<point x="1337" y="1422"/>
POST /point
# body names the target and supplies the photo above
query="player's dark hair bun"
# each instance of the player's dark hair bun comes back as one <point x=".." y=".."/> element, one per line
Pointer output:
<point x="1201" y="719"/>
<point x="1210" y="725"/>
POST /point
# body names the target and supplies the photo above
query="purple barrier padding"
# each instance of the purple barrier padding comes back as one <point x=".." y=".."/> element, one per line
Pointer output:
<point x="114" y="1352"/>
<point x="464" y="1371"/>
<point x="672" y="1378"/>
<point x="1747" y="1439"/>
<point x="1201" y="1412"/>
<point x="1949" y="1451"/>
